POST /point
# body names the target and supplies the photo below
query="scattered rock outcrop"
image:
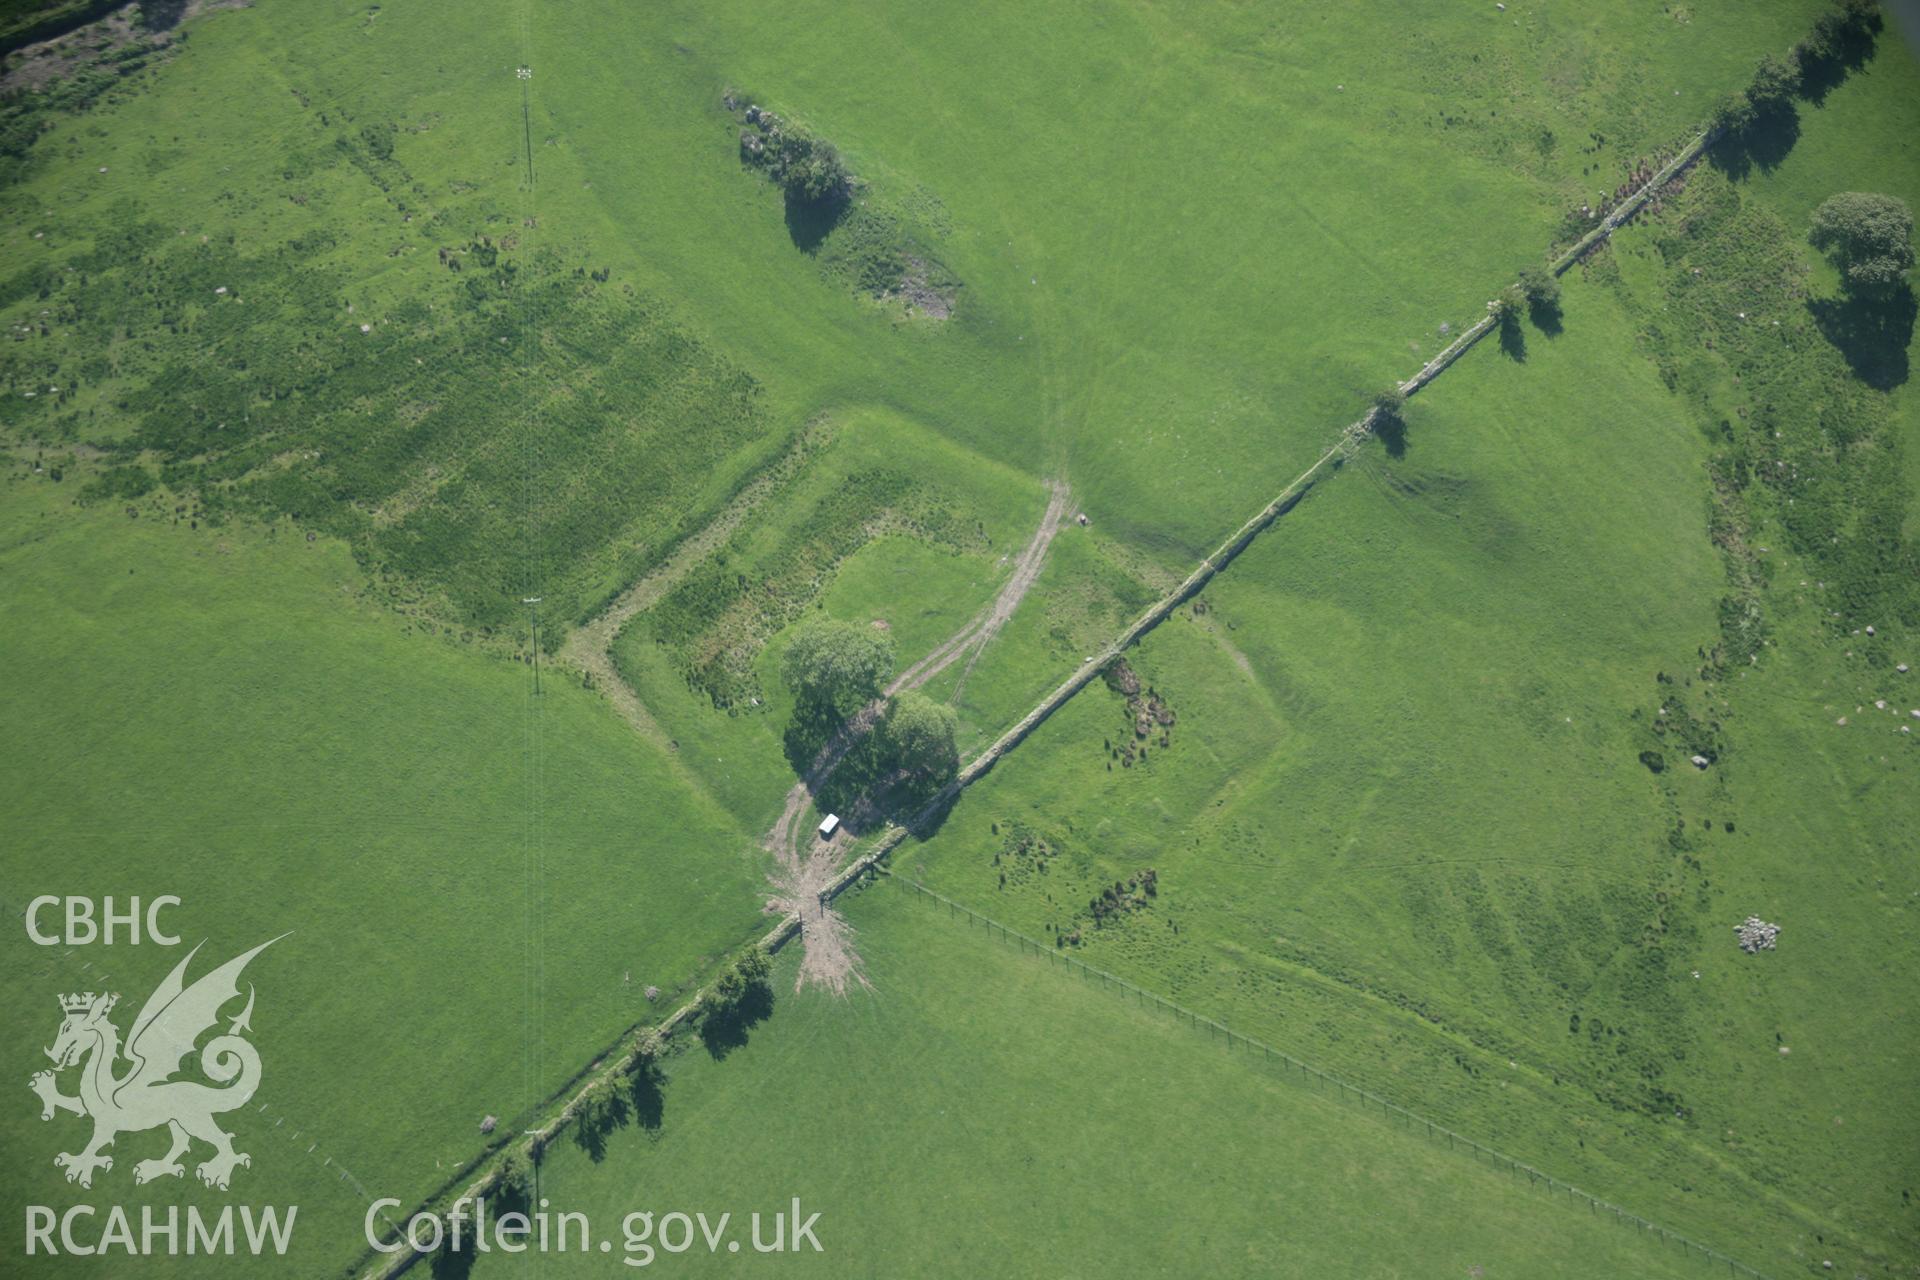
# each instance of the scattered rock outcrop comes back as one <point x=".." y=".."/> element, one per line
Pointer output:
<point x="1756" y="934"/>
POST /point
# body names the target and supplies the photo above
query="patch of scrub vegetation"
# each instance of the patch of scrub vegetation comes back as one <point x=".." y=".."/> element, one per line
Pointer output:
<point x="125" y="481"/>
<point x="1059" y="876"/>
<point x="515" y="421"/>
<point x="879" y="246"/>
<point x="1025" y="1080"/>
<point x="718" y="620"/>
<point x="808" y="169"/>
<point x="1149" y="720"/>
<point x="880" y="253"/>
<point x="59" y="64"/>
<point x="1791" y="382"/>
<point x="1676" y="733"/>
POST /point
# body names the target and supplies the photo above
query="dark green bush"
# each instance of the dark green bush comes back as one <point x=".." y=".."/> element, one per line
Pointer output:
<point x="809" y="169"/>
<point x="1540" y="287"/>
<point x="1869" y="236"/>
<point x="122" y="483"/>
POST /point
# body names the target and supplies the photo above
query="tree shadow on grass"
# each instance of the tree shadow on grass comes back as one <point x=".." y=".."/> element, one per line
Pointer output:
<point x="724" y="1030"/>
<point x="451" y="1264"/>
<point x="591" y="1139"/>
<point x="1871" y="333"/>
<point x="858" y="782"/>
<point x="1513" y="339"/>
<point x="638" y="1099"/>
<point x="1762" y="144"/>
<point x="1853" y="49"/>
<point x="1546" y="317"/>
<point x="592" y="1126"/>
<point x="1391" y="429"/>
<point x="812" y="727"/>
<point x="810" y="222"/>
<point x="932" y="813"/>
<point x="862" y="767"/>
<point x="647" y="1098"/>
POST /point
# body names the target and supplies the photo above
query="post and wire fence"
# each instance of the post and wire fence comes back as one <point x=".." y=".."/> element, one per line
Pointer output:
<point x="1235" y="1041"/>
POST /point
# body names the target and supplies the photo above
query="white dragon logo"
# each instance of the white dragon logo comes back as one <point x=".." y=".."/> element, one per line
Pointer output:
<point x="147" y="1096"/>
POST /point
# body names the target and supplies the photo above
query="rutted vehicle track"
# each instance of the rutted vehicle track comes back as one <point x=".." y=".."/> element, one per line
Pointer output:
<point x="803" y="874"/>
<point x="968" y="640"/>
<point x="590" y="648"/>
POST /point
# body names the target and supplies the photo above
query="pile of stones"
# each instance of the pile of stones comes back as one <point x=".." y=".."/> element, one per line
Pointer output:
<point x="1756" y="934"/>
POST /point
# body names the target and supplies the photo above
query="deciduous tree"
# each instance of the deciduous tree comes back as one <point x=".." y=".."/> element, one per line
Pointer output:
<point x="1869" y="236"/>
<point x="837" y="665"/>
<point x="918" y="736"/>
<point x="1540" y="287"/>
<point x="1775" y="81"/>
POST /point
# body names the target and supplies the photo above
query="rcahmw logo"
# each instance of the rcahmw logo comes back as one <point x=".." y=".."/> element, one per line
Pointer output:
<point x="144" y="1095"/>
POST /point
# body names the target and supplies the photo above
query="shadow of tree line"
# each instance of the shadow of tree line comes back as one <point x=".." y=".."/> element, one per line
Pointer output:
<point x="1538" y="294"/>
<point x="1762" y="143"/>
<point x="1872" y="330"/>
<point x="740" y="999"/>
<point x="724" y="1030"/>
<point x="639" y="1098"/>
<point x="1759" y="126"/>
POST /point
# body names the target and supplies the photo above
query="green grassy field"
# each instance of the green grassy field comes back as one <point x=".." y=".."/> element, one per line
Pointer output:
<point x="1188" y="246"/>
<point x="479" y="887"/>
<point x="1402" y="824"/>
<point x="968" y="1115"/>
<point x="376" y="337"/>
<point x="1079" y="334"/>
